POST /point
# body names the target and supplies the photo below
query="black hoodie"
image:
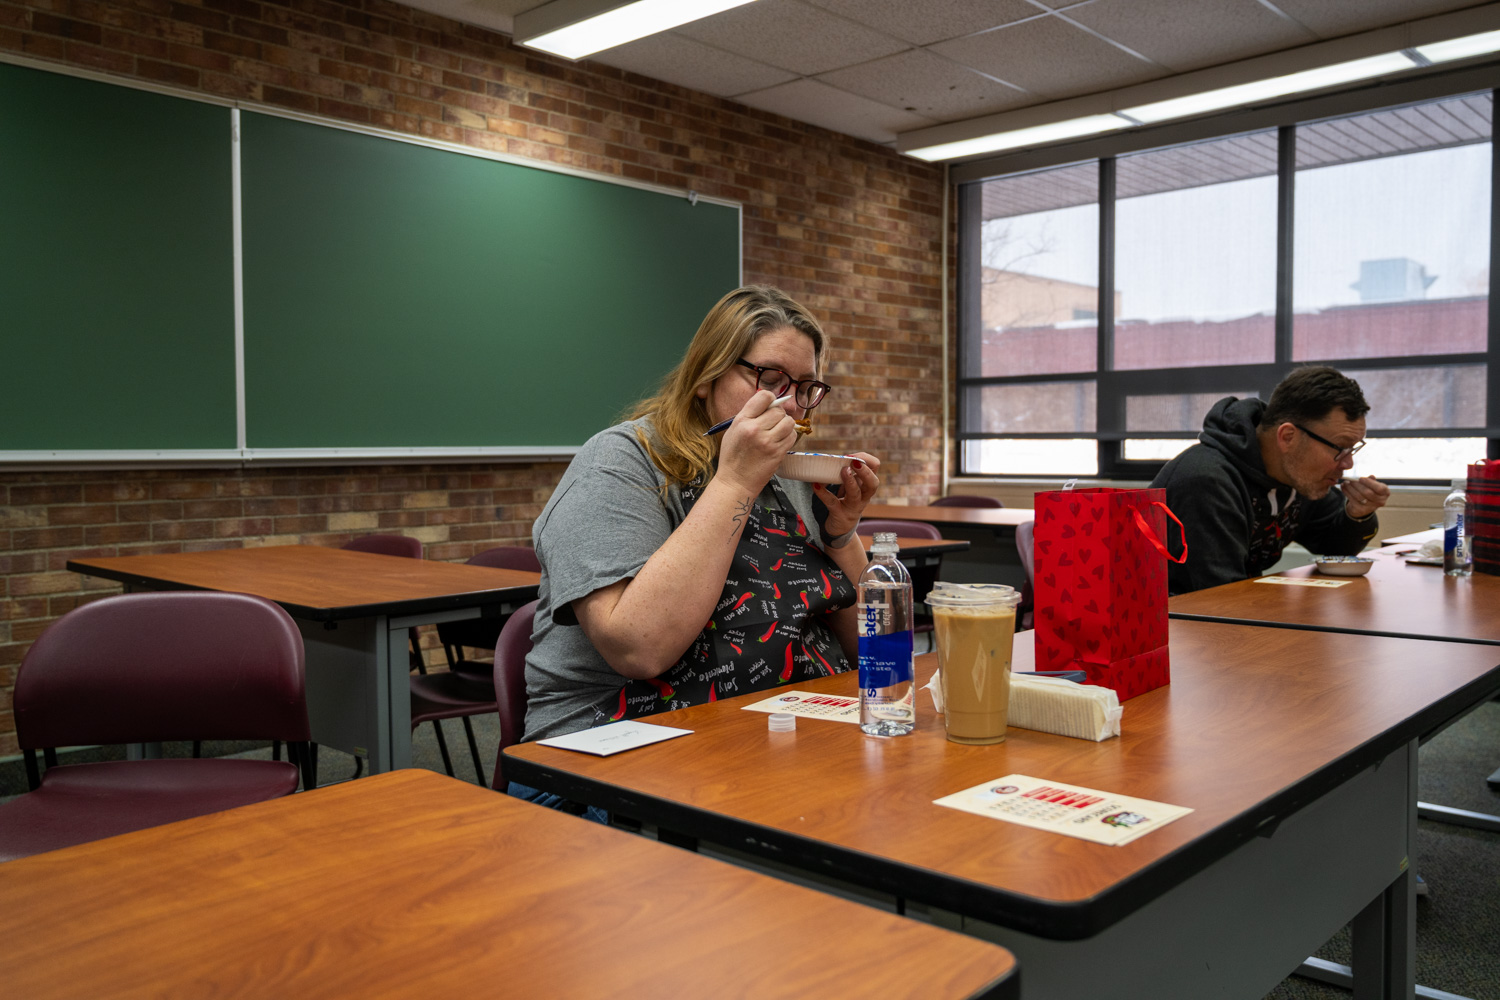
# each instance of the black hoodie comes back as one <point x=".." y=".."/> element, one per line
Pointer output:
<point x="1237" y="518"/>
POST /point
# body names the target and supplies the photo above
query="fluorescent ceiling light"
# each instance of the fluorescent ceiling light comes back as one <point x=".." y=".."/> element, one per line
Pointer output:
<point x="1035" y="135"/>
<point x="1460" y="48"/>
<point x="576" y="29"/>
<point x="1276" y="86"/>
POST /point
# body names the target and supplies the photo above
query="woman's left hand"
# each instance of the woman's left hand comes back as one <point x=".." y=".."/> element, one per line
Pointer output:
<point x="858" y="484"/>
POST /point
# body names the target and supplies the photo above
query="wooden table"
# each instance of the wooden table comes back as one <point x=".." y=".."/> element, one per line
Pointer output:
<point x="1296" y="750"/>
<point x="414" y="884"/>
<point x="994" y="517"/>
<point x="991" y="531"/>
<point x="1394" y="598"/>
<point x="354" y="610"/>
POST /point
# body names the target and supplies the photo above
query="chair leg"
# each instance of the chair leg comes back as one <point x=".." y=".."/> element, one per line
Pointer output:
<point x="474" y="750"/>
<point x="49" y="755"/>
<point x="33" y="772"/>
<point x="437" y="727"/>
<point x="311" y="749"/>
<point x="276" y="750"/>
<point x="197" y="749"/>
<point x="359" y="768"/>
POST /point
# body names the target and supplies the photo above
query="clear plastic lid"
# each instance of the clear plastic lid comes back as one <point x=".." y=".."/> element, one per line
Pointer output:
<point x="972" y="595"/>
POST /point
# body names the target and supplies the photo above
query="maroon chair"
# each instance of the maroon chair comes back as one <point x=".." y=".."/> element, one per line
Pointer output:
<point x="435" y="697"/>
<point x="1025" y="549"/>
<point x="387" y="545"/>
<point x="966" y="500"/>
<point x="510" y="684"/>
<point x="481" y="633"/>
<point x="144" y="668"/>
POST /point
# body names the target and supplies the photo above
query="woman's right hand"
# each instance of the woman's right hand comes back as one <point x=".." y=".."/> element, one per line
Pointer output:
<point x="754" y="445"/>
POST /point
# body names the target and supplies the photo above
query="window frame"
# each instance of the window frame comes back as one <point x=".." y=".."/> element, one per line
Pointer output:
<point x="1112" y="386"/>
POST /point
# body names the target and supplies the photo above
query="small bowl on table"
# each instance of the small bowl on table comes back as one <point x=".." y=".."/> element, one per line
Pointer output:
<point x="1343" y="565"/>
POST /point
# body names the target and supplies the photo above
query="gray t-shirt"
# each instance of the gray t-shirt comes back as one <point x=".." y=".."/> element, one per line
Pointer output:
<point x="607" y="517"/>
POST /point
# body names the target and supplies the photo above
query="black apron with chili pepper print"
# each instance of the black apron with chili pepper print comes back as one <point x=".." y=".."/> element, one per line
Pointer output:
<point x="767" y="629"/>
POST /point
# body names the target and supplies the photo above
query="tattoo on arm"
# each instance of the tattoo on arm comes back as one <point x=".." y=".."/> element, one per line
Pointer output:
<point x="745" y="506"/>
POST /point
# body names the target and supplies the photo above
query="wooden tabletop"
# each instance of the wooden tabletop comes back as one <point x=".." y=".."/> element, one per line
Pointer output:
<point x="1000" y="517"/>
<point x="319" y="583"/>
<point x="1256" y="723"/>
<point x="414" y="884"/>
<point x="1394" y="598"/>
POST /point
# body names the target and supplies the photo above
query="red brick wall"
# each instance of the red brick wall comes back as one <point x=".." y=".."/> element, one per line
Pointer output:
<point x="848" y="227"/>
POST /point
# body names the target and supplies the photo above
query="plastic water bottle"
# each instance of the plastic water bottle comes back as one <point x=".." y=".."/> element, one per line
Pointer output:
<point x="887" y="694"/>
<point x="1458" y="557"/>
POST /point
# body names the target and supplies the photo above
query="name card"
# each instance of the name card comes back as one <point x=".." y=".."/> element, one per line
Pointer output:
<point x="1297" y="581"/>
<point x="615" y="737"/>
<point x="1072" y="810"/>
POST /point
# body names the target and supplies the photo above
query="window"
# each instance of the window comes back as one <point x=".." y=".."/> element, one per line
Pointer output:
<point x="1106" y="305"/>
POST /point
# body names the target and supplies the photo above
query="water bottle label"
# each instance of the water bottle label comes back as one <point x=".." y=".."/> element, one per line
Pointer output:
<point x="884" y="660"/>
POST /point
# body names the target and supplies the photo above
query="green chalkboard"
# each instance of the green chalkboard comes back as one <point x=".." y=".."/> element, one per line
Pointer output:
<point x="400" y="295"/>
<point x="116" y="268"/>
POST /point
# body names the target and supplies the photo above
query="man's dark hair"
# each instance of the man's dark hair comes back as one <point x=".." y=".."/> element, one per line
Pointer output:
<point x="1311" y="393"/>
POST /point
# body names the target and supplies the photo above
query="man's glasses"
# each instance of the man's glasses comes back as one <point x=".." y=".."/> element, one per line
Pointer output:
<point x="810" y="392"/>
<point x="1340" y="452"/>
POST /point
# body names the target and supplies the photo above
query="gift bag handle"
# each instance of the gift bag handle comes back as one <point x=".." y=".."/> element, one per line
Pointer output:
<point x="1157" y="543"/>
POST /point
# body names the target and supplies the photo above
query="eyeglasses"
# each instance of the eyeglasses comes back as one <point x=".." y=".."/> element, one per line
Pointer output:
<point x="810" y="392"/>
<point x="1340" y="452"/>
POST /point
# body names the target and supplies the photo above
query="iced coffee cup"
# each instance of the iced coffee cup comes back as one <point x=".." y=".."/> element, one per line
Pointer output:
<point x="975" y="625"/>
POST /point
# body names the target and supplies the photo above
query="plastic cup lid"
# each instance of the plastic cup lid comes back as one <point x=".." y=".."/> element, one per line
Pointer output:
<point x="781" y="722"/>
<point x="972" y="595"/>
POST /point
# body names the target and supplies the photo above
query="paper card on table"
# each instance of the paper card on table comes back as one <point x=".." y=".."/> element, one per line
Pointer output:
<point x="1297" y="581"/>
<point x="1086" y="813"/>
<point x="615" y="737"/>
<point x="810" y="705"/>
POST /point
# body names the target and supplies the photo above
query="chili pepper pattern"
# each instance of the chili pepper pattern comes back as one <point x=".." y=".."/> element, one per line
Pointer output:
<point x="768" y="627"/>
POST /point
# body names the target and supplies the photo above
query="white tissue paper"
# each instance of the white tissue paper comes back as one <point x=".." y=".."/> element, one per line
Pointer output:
<point x="1430" y="548"/>
<point x="1053" y="705"/>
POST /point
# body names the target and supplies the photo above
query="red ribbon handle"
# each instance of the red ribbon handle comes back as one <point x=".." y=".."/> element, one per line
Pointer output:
<point x="1157" y="543"/>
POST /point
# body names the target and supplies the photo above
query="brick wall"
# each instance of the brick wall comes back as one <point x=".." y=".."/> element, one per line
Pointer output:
<point x="847" y="227"/>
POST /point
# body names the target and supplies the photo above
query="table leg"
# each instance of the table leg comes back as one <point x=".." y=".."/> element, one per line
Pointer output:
<point x="1385" y="932"/>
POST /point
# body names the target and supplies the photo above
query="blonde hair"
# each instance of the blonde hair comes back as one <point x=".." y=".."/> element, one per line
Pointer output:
<point x="678" y="416"/>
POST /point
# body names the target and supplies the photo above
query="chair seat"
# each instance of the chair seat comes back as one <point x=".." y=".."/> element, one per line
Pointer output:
<point x="77" y="803"/>
<point x="449" y="696"/>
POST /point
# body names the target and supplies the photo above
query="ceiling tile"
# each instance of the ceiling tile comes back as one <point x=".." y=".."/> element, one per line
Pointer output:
<point x="923" y="22"/>
<point x="692" y="64"/>
<point x="1050" y="58"/>
<point x="927" y="84"/>
<point x="1330" y="20"/>
<point x="819" y="104"/>
<point x="1190" y="34"/>
<point x="793" y="36"/>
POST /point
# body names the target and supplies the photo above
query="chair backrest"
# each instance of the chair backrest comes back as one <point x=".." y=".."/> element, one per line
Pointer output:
<point x="387" y="545"/>
<point x="508" y="557"/>
<point x="139" y="668"/>
<point x="510" y="683"/>
<point x="1025" y="548"/>
<point x="903" y="529"/>
<point x="966" y="500"/>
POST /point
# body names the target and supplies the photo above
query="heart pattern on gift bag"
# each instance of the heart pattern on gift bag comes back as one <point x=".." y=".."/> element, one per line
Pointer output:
<point x="1101" y="587"/>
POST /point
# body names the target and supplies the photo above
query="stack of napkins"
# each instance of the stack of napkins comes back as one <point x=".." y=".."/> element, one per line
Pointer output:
<point x="1053" y="705"/>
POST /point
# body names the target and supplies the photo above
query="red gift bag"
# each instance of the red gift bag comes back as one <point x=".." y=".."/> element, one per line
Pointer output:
<point x="1101" y="586"/>
<point x="1483" y="491"/>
